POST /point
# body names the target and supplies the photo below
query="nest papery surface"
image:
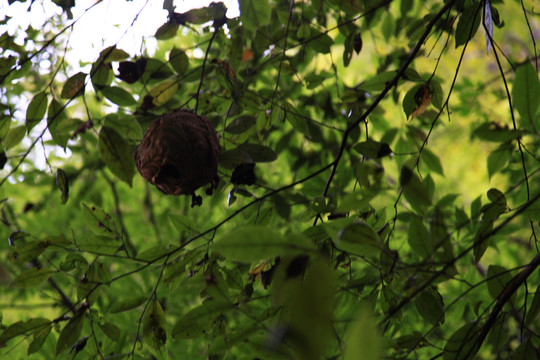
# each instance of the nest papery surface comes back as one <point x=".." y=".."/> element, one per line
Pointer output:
<point x="179" y="153"/>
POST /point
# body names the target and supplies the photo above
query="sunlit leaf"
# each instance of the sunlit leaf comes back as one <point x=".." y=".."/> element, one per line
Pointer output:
<point x="363" y="339"/>
<point x="163" y="92"/>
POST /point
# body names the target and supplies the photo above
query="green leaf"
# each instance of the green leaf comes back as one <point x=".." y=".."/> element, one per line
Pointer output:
<point x="163" y="92"/>
<point x="359" y="238"/>
<point x="60" y="126"/>
<point x="111" y="54"/>
<point x="118" y="96"/>
<point x="373" y="149"/>
<point x="70" y="334"/>
<point x="40" y="335"/>
<point x="182" y="222"/>
<point x="200" y="320"/>
<point x="429" y="304"/>
<point x="179" y="60"/>
<point x="497" y="279"/>
<point x="21" y="328"/>
<point x="117" y="154"/>
<point x="127" y="304"/>
<point x="27" y="251"/>
<point x="100" y="222"/>
<point x="125" y="125"/>
<point x="112" y="331"/>
<point x="31" y="277"/>
<point x="62" y="183"/>
<point x="101" y="75"/>
<point x="419" y="238"/>
<point x="258" y="153"/>
<point x="14" y="136"/>
<point x="432" y="161"/>
<point x="154" y="325"/>
<point x="481" y="241"/>
<point x="377" y="82"/>
<point x="362" y="339"/>
<point x="166" y="31"/>
<point x="468" y="23"/>
<point x="498" y="159"/>
<point x="463" y="343"/>
<point x="254" y="13"/>
<point x="252" y="243"/>
<point x="240" y="124"/>
<point x="414" y="190"/>
<point x="74" y="86"/>
<point x="534" y="308"/>
<point x="36" y="110"/>
<point x="525" y="94"/>
<point x="525" y="351"/>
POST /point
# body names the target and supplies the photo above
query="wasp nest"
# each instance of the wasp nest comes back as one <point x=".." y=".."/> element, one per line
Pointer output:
<point x="179" y="153"/>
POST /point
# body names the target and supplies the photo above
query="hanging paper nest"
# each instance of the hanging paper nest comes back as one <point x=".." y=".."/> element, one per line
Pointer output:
<point x="179" y="153"/>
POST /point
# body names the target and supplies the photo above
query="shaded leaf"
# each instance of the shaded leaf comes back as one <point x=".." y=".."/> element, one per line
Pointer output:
<point x="166" y="31"/>
<point x="253" y="243"/>
<point x="199" y="320"/>
<point x="127" y="304"/>
<point x="112" y="331"/>
<point x="468" y="23"/>
<point x="39" y="337"/>
<point x="70" y="334"/>
<point x="118" y="96"/>
<point x="130" y="71"/>
<point x="31" y="277"/>
<point x="525" y="95"/>
<point x="62" y="183"/>
<point x="430" y="306"/>
<point x="100" y="222"/>
<point x="74" y="86"/>
<point x="419" y="238"/>
<point x="498" y="277"/>
<point x="362" y="339"/>
<point x="23" y="327"/>
<point x="414" y="190"/>
<point x="373" y="149"/>
<point x="240" y="124"/>
<point x="359" y="238"/>
<point x="154" y="325"/>
<point x="117" y="154"/>
<point x="258" y="153"/>
<point x="463" y="343"/>
<point x="254" y="13"/>
<point x="36" y="110"/>
<point x="14" y="136"/>
<point x="179" y="60"/>
<point x="28" y="251"/>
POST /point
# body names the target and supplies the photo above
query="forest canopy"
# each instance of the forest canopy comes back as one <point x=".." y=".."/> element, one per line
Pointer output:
<point x="320" y="179"/>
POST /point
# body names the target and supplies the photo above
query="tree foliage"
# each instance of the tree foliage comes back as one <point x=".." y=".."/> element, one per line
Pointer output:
<point x="378" y="195"/>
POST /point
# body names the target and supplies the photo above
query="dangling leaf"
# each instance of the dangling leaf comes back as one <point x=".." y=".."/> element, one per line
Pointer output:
<point x="118" y="96"/>
<point x="100" y="222"/>
<point x="163" y="92"/>
<point x="117" y="154"/>
<point x="70" y="334"/>
<point x="36" y="110"/>
<point x="525" y="95"/>
<point x="154" y="325"/>
<point x="468" y="23"/>
<point x="62" y="183"/>
<point x="74" y="86"/>
<point x="179" y="60"/>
